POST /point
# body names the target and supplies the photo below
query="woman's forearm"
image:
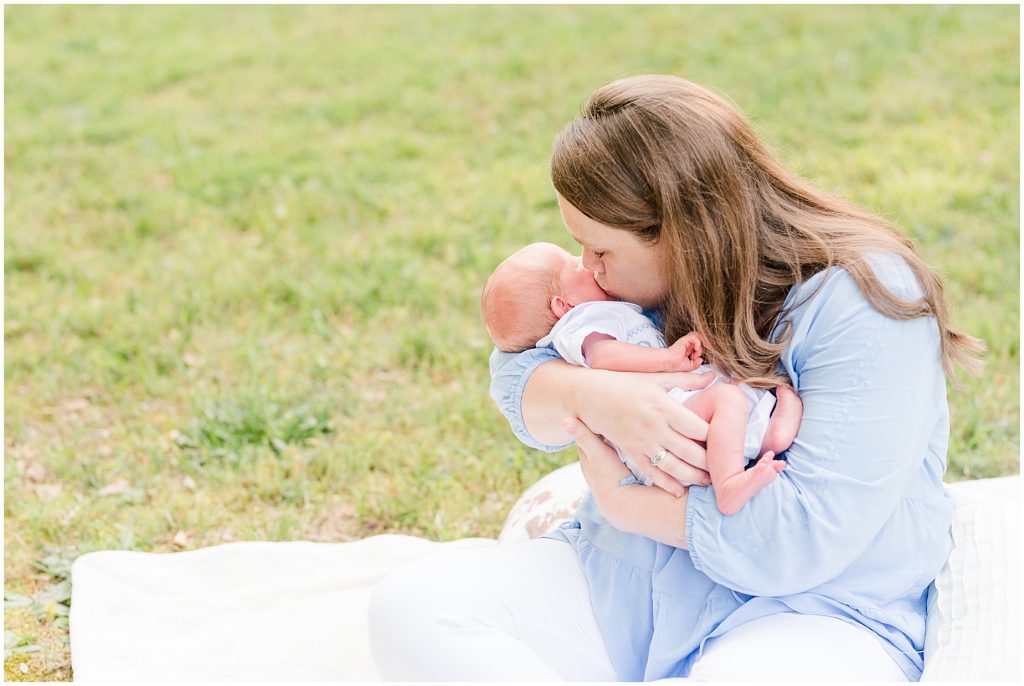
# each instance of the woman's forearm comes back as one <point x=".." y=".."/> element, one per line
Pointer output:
<point x="650" y="512"/>
<point x="631" y="406"/>
<point x="551" y="395"/>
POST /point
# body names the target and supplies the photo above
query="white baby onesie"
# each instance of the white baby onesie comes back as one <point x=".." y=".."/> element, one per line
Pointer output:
<point x="625" y="322"/>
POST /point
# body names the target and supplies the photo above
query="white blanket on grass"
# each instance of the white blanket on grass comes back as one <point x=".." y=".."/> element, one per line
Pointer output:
<point x="297" y="611"/>
<point x="259" y="611"/>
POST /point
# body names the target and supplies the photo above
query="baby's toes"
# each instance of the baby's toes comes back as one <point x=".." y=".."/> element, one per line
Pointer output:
<point x="768" y="461"/>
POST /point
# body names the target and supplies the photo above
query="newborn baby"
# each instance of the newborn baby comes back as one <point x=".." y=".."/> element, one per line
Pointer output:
<point x="542" y="296"/>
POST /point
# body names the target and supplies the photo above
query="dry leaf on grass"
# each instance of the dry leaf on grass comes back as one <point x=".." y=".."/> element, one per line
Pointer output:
<point x="336" y="523"/>
<point x="35" y="472"/>
<point x="72" y="406"/>
<point x="47" y="491"/>
<point x="115" y="487"/>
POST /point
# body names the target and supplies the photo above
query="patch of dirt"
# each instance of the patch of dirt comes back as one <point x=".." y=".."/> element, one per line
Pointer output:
<point x="337" y="523"/>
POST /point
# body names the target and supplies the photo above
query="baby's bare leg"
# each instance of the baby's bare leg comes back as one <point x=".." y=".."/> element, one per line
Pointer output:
<point x="725" y="409"/>
<point x="784" y="422"/>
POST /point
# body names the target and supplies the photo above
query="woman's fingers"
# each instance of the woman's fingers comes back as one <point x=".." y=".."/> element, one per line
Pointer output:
<point x="671" y="474"/>
<point x="665" y="482"/>
<point x="641" y="419"/>
<point x="586" y="439"/>
<point x="686" y="450"/>
<point x="683" y="473"/>
<point x="602" y="468"/>
<point x="595" y="445"/>
<point x="683" y="421"/>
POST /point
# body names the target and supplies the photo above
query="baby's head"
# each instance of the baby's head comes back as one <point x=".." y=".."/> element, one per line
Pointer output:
<point x="530" y="291"/>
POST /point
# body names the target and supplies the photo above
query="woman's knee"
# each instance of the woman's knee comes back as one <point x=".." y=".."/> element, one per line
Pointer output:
<point x="796" y="648"/>
<point x="403" y="612"/>
<point x="407" y="597"/>
<point x="391" y="594"/>
<point x="414" y="597"/>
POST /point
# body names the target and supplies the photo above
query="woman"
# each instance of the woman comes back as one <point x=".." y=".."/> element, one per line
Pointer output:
<point x="822" y="575"/>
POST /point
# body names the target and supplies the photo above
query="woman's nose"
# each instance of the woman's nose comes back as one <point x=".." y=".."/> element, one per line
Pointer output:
<point x="591" y="263"/>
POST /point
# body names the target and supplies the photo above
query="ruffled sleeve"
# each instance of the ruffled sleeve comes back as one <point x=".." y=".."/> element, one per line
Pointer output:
<point x="509" y="374"/>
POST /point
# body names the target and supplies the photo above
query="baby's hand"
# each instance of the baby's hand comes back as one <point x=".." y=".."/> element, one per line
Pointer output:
<point x="685" y="354"/>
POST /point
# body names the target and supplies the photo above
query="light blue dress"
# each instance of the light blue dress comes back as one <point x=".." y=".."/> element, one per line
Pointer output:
<point x="856" y="527"/>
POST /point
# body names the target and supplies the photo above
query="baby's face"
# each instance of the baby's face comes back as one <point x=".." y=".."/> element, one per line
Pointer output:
<point x="578" y="285"/>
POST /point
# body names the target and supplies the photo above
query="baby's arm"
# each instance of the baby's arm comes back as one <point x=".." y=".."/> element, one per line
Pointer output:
<point x="602" y="351"/>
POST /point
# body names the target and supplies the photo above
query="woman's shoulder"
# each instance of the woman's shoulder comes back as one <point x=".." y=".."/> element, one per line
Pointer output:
<point x="831" y="304"/>
<point x="835" y="286"/>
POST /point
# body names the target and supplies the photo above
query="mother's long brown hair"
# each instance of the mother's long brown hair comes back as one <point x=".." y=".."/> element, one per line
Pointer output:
<point x="668" y="160"/>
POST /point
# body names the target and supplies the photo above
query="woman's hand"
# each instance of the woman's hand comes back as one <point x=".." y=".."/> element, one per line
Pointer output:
<point x="636" y="509"/>
<point x="634" y="412"/>
<point x="631" y="410"/>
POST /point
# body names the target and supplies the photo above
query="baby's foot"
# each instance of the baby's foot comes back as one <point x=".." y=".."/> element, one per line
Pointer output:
<point x="732" y="495"/>
<point x="768" y="467"/>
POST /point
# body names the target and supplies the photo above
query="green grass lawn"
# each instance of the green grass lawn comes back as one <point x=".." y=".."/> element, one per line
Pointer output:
<point x="244" y="247"/>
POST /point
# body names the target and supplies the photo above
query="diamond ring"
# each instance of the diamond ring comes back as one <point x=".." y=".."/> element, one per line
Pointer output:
<point x="657" y="457"/>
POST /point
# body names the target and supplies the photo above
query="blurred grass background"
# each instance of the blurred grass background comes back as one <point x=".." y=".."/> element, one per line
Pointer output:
<point x="244" y="247"/>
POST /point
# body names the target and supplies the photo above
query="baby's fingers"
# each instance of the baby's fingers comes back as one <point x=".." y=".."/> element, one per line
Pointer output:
<point x="687" y="381"/>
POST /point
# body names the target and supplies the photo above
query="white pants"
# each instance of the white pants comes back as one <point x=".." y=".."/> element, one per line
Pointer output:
<point x="522" y="612"/>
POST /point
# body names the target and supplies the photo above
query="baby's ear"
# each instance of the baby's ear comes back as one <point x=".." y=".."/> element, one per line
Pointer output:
<point x="560" y="306"/>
